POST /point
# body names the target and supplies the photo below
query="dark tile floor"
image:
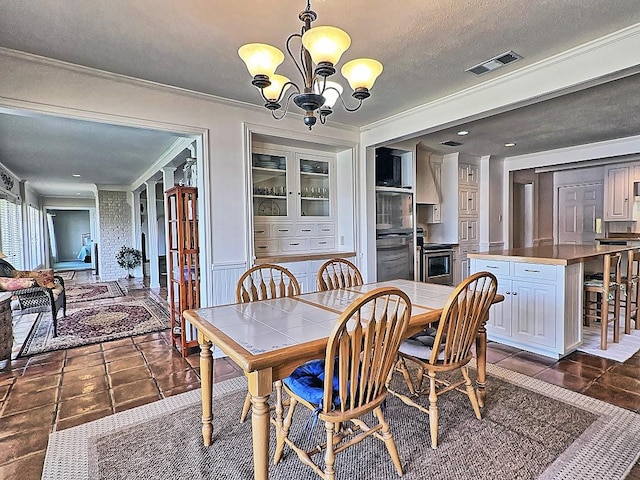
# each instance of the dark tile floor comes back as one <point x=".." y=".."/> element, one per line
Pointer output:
<point x="58" y="390"/>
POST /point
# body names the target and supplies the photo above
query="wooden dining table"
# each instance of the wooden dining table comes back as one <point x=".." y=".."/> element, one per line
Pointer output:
<point x="270" y="338"/>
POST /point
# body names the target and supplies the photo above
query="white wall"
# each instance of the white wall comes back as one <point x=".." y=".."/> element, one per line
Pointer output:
<point x="46" y="86"/>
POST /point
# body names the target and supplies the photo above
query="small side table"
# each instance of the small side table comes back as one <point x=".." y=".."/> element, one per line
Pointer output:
<point x="6" y="327"/>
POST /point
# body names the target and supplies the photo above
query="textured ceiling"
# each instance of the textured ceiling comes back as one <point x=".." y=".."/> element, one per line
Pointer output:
<point x="425" y="47"/>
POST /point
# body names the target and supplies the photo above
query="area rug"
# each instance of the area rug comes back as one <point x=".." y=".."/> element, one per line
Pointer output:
<point x="621" y="351"/>
<point x="66" y="276"/>
<point x="93" y="291"/>
<point x="95" y="324"/>
<point x="530" y="429"/>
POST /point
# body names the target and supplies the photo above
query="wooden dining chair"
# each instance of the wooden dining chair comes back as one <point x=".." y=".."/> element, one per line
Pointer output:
<point x="338" y="273"/>
<point x="629" y="300"/>
<point x="601" y="300"/>
<point x="264" y="282"/>
<point x="447" y="348"/>
<point x="351" y="380"/>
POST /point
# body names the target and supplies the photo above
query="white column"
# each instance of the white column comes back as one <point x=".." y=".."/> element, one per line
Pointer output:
<point x="484" y="202"/>
<point x="168" y="179"/>
<point x="152" y="241"/>
<point x="137" y="228"/>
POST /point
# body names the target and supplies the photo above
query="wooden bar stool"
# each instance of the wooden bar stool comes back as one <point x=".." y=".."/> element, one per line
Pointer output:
<point x="629" y="301"/>
<point x="607" y="296"/>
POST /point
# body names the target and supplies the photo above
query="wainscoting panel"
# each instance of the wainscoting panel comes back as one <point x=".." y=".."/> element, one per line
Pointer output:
<point x="223" y="285"/>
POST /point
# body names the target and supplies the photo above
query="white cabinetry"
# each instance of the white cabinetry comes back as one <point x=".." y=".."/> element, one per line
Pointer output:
<point x="618" y="188"/>
<point x="293" y="194"/>
<point x="539" y="313"/>
<point x="468" y="216"/>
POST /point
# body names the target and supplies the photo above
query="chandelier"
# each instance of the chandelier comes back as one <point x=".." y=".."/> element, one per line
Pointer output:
<point x="320" y="50"/>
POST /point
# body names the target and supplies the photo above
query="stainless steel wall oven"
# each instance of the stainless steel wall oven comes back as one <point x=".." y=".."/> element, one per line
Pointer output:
<point x="437" y="264"/>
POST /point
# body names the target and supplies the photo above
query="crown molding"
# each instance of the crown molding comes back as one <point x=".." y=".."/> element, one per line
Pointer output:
<point x="631" y="33"/>
<point x="117" y="77"/>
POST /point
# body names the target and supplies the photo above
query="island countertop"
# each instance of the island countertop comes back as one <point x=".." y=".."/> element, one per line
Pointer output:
<point x="563" y="254"/>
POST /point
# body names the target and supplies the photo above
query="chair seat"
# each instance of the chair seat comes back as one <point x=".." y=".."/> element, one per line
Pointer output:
<point x="421" y="345"/>
<point x="307" y="382"/>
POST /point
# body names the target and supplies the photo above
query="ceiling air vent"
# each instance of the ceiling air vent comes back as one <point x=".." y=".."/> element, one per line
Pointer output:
<point x="495" y="62"/>
<point x="451" y="143"/>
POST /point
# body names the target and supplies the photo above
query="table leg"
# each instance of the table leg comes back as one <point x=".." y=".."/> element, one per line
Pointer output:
<point x="260" y="387"/>
<point x="481" y="356"/>
<point x="206" y="380"/>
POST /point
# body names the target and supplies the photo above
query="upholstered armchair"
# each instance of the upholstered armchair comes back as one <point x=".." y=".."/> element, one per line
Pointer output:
<point x="34" y="291"/>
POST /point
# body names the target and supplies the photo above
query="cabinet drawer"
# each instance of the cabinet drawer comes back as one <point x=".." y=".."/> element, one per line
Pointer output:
<point x="305" y="230"/>
<point x="534" y="271"/>
<point x="322" y="243"/>
<point x="497" y="267"/>
<point x="282" y="230"/>
<point x="295" y="245"/>
<point x="262" y="231"/>
<point x="264" y="247"/>
<point x="326" y="229"/>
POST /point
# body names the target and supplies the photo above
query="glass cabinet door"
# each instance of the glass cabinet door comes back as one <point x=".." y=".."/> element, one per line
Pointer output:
<point x="315" y="187"/>
<point x="269" y="175"/>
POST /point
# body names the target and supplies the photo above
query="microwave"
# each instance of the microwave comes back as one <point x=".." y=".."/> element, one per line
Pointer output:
<point x="388" y="168"/>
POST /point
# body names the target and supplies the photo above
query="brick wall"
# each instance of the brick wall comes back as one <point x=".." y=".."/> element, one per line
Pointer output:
<point x="115" y="224"/>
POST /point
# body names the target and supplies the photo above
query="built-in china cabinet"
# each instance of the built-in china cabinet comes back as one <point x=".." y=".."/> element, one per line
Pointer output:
<point x="293" y="198"/>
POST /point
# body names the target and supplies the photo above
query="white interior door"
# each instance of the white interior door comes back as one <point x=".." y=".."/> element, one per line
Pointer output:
<point x="579" y="207"/>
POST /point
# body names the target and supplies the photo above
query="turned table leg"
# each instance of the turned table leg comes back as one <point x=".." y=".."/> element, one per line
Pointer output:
<point x="260" y="387"/>
<point x="481" y="355"/>
<point x="206" y="379"/>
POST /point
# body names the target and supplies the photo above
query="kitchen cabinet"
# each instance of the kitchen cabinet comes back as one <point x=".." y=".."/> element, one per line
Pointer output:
<point x="468" y="231"/>
<point x="534" y="315"/>
<point x="292" y="195"/>
<point x="618" y="191"/>
<point x="468" y="174"/>
<point x="468" y="201"/>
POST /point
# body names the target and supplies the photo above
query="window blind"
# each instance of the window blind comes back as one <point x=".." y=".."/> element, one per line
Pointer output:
<point x="11" y="233"/>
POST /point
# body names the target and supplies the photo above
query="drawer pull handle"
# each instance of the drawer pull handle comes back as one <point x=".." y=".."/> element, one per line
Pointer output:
<point x="306" y="230"/>
<point x="491" y="266"/>
<point x="259" y="231"/>
<point x="263" y="247"/>
<point x="322" y="243"/>
<point x="293" y="244"/>
<point x="507" y="293"/>
<point x="283" y="230"/>
<point x="514" y="293"/>
<point x="326" y="230"/>
<point x="532" y="271"/>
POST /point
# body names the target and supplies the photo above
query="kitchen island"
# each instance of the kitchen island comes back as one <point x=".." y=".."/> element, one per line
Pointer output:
<point x="542" y="287"/>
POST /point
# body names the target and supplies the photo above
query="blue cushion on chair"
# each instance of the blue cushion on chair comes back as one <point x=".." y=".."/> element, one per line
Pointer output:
<point x="307" y="381"/>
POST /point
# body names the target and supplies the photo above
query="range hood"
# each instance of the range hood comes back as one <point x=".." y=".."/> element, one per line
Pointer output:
<point x="426" y="190"/>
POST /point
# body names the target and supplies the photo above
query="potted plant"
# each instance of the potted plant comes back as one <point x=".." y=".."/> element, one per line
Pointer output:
<point x="129" y="257"/>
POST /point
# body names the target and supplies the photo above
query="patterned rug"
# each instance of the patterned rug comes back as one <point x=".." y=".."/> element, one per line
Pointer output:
<point x="93" y="291"/>
<point x="66" y="275"/>
<point x="84" y="326"/>
<point x="530" y="429"/>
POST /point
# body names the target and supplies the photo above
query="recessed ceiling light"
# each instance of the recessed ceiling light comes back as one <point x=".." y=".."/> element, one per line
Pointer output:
<point x="509" y="144"/>
<point x="75" y="174"/>
<point x="463" y="132"/>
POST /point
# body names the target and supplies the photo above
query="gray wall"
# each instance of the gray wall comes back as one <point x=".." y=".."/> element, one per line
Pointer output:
<point x="69" y="226"/>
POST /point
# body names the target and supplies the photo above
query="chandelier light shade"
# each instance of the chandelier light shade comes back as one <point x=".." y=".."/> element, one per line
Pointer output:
<point x="326" y="44"/>
<point x="260" y="58"/>
<point x="320" y="50"/>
